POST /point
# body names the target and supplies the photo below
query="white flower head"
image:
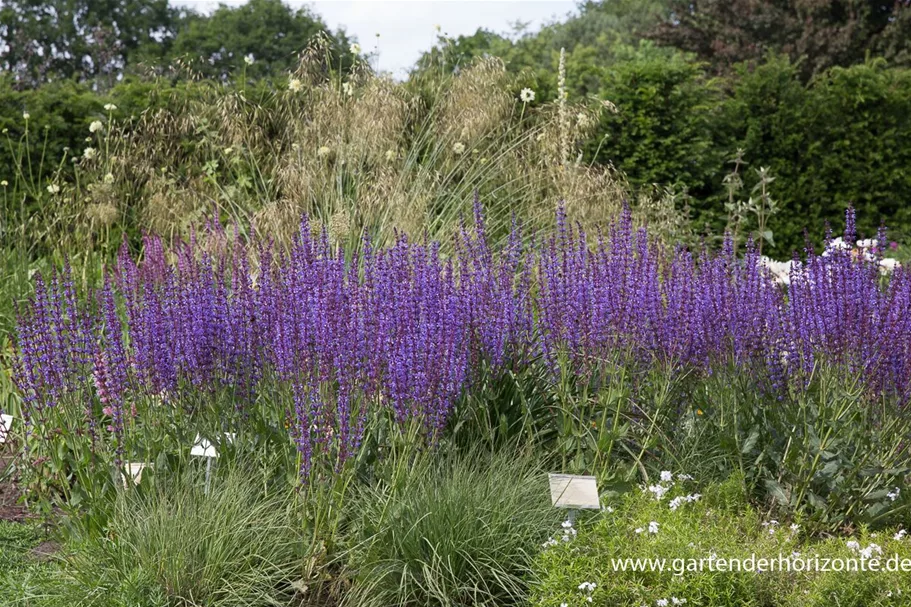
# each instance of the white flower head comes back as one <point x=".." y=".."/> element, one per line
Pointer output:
<point x="4" y="183"/>
<point x="347" y="89"/>
<point x="658" y="491"/>
<point x="248" y="59"/>
<point x="638" y="530"/>
<point x="527" y="95"/>
<point x="109" y="178"/>
<point x="653" y="527"/>
<point x="295" y="85"/>
<point x="853" y="545"/>
<point x="458" y="147"/>
<point x="95" y="126"/>
<point x="355" y="48"/>
<point x="323" y="151"/>
<point x="900" y="535"/>
<point x="887" y="265"/>
<point x="893" y="495"/>
<point x="666" y="476"/>
<point x="110" y="107"/>
<point x="662" y="602"/>
<point x="53" y="188"/>
<point x="26" y="115"/>
<point x="587" y="586"/>
<point x="89" y="153"/>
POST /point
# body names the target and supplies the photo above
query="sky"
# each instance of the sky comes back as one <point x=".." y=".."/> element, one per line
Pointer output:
<point x="408" y="27"/>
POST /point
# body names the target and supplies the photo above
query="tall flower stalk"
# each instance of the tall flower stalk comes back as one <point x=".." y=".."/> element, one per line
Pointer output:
<point x="316" y="348"/>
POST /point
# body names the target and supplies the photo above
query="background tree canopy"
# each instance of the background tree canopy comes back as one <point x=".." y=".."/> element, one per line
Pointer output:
<point x="101" y="40"/>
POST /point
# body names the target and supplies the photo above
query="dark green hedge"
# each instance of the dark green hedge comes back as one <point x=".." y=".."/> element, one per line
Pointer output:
<point x="844" y="138"/>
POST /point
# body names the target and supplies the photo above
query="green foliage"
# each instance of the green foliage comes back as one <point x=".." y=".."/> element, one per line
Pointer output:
<point x="169" y="543"/>
<point x="268" y="30"/>
<point x="827" y="454"/>
<point x="823" y="34"/>
<point x="449" y="531"/>
<point x="102" y="40"/>
<point x="720" y="522"/>
<point x="24" y="578"/>
<point x="845" y="144"/>
<point x="15" y="540"/>
<point x="662" y="132"/>
<point x="853" y="588"/>
<point x="81" y="38"/>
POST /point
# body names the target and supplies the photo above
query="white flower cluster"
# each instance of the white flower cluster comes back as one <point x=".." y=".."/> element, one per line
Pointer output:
<point x="569" y="532"/>
<point x="865" y="553"/>
<point x="867" y="249"/>
<point x="771" y="526"/>
<point x="900" y="535"/>
<point x="652" y="528"/>
<point x="658" y="491"/>
<point x="588" y="587"/>
<point x="780" y="270"/>
<point x="680" y="500"/>
<point x="672" y="601"/>
<point x="667" y="481"/>
<point x="893" y="495"/>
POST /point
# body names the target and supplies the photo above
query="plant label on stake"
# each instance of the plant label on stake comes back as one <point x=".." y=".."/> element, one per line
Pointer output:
<point x="574" y="492"/>
<point x="203" y="448"/>
<point x="6" y="426"/>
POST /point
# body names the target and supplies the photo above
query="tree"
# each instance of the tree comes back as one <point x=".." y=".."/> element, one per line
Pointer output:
<point x="42" y="41"/>
<point x="268" y="31"/>
<point x="590" y="39"/>
<point x="824" y="33"/>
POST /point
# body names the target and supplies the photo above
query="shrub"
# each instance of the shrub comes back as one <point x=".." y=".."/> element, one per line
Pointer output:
<point x="854" y="588"/>
<point x="662" y="132"/>
<point x="720" y="522"/>
<point x="840" y="140"/>
<point x="450" y="531"/>
<point x="168" y="542"/>
<point x="644" y="525"/>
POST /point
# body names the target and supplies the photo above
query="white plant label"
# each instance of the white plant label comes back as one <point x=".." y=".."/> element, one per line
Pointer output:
<point x="572" y="491"/>
<point x="134" y="472"/>
<point x="6" y="424"/>
<point x="203" y="448"/>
